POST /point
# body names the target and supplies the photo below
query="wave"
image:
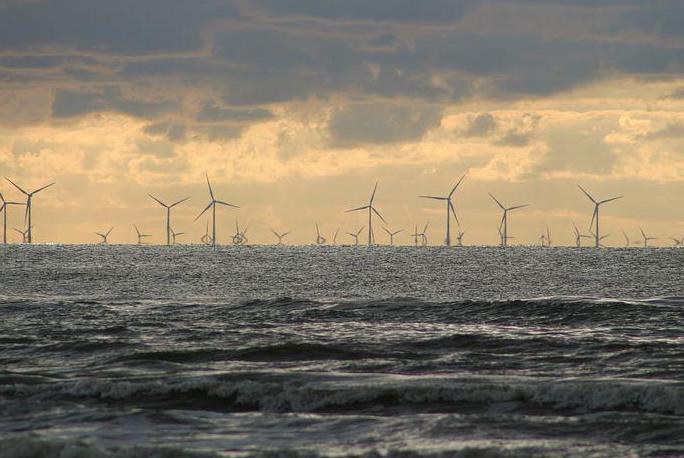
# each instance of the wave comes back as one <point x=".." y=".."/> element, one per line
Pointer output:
<point x="316" y="392"/>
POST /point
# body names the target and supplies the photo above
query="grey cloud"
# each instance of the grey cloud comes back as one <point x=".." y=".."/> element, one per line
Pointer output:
<point x="173" y="132"/>
<point x="583" y="151"/>
<point x="70" y="103"/>
<point x="481" y="126"/>
<point x="381" y="123"/>
<point x="672" y="130"/>
<point x="211" y="112"/>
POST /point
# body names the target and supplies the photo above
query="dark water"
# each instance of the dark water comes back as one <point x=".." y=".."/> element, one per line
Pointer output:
<point x="308" y="351"/>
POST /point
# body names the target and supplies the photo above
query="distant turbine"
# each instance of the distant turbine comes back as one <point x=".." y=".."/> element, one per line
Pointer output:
<point x="168" y="215"/>
<point x="356" y="235"/>
<point x="320" y="240"/>
<point x="423" y="235"/>
<point x="579" y="236"/>
<point x="205" y="239"/>
<point x="371" y="210"/>
<point x="415" y="236"/>
<point x="141" y="236"/>
<point x="334" y="240"/>
<point x="175" y="234"/>
<point x="595" y="215"/>
<point x="3" y="208"/>
<point x="646" y="239"/>
<point x="24" y="234"/>
<point x="501" y="238"/>
<point x="212" y="205"/>
<point x="450" y="210"/>
<point x="104" y="236"/>
<point x="628" y="242"/>
<point x="542" y="238"/>
<point x="459" y="238"/>
<point x="504" y="219"/>
<point x="392" y="234"/>
<point x="280" y="236"/>
<point x="29" y="199"/>
<point x="240" y="237"/>
<point x="600" y="245"/>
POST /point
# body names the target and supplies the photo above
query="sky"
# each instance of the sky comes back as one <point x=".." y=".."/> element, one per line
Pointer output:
<point x="295" y="108"/>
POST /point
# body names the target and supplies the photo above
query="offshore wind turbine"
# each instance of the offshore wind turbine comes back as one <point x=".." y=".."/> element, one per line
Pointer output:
<point x="240" y="237"/>
<point x="3" y="209"/>
<point x="646" y="239"/>
<point x="212" y="205"/>
<point x="29" y="200"/>
<point x="459" y="237"/>
<point x="205" y="239"/>
<point x="601" y="245"/>
<point x="371" y="209"/>
<point x="579" y="236"/>
<point x="548" y="237"/>
<point x="280" y="236"/>
<point x="415" y="236"/>
<point x="356" y="235"/>
<point x="450" y="210"/>
<point x="168" y="215"/>
<point x="320" y="240"/>
<point x="23" y="233"/>
<point x="423" y="235"/>
<point x="504" y="219"/>
<point x="141" y="236"/>
<point x="175" y="234"/>
<point x="105" y="235"/>
<point x="392" y="234"/>
<point x="595" y="215"/>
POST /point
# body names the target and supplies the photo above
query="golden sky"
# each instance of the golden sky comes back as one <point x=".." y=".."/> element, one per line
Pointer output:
<point x="295" y="108"/>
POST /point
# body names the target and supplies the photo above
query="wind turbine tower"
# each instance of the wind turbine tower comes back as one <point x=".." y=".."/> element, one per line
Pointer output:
<point x="212" y="205"/>
<point x="141" y="236"/>
<point x="3" y="209"/>
<point x="503" y="226"/>
<point x="355" y="235"/>
<point x="646" y="238"/>
<point x="371" y="209"/>
<point x="168" y="215"/>
<point x="392" y="234"/>
<point x="450" y="210"/>
<point x="29" y="200"/>
<point x="595" y="215"/>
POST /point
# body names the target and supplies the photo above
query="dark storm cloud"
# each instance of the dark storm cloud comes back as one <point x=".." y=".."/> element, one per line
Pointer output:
<point x="271" y="51"/>
<point x="69" y="103"/>
<point x="381" y="123"/>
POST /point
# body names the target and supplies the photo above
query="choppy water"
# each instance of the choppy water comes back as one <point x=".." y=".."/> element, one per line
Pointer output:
<point x="308" y="351"/>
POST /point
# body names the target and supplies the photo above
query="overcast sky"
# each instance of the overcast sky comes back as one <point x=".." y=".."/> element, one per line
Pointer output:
<point x="296" y="107"/>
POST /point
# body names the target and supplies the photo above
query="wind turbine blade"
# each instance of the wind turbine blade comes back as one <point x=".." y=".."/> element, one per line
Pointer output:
<point x="385" y="229"/>
<point x="373" y="195"/>
<point x="226" y="204"/>
<point x="276" y="234"/>
<point x="498" y="203"/>
<point x="586" y="193"/>
<point x="426" y="226"/>
<point x="357" y="209"/>
<point x="2" y="198"/>
<point x="136" y="230"/>
<point x="610" y="200"/>
<point x="593" y="217"/>
<point x="453" y="212"/>
<point x="517" y="207"/>
<point x="179" y="202"/>
<point x="44" y="187"/>
<point x="158" y="201"/>
<point x="642" y="232"/>
<point x="285" y="233"/>
<point x="109" y="231"/>
<point x="379" y="215"/>
<point x="396" y="232"/>
<point x="359" y="231"/>
<point x="204" y="211"/>
<point x="101" y="235"/>
<point x="211" y="191"/>
<point x="434" y="197"/>
<point x="456" y="186"/>
<point x="16" y="186"/>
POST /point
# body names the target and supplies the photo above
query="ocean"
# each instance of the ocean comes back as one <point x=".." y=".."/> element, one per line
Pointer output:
<point x="277" y="351"/>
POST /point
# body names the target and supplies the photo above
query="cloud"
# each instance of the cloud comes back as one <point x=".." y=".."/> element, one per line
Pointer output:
<point x="211" y="112"/>
<point x="378" y="123"/>
<point x="671" y="130"/>
<point x="481" y="126"/>
<point x="70" y="103"/>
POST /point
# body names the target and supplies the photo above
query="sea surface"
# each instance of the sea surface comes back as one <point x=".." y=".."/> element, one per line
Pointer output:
<point x="128" y="351"/>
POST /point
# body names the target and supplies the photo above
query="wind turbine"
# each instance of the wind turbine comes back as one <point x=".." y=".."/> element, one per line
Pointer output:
<point x="601" y="245"/>
<point x="392" y="234"/>
<point x="579" y="236"/>
<point x="459" y="238"/>
<point x="3" y="208"/>
<point x="627" y="241"/>
<point x="371" y="210"/>
<point x="423" y="235"/>
<point x="240" y="237"/>
<point x="646" y="239"/>
<point x="105" y="235"/>
<point x="141" y="236"/>
<point x="334" y="240"/>
<point x="320" y="240"/>
<point x="168" y="215"/>
<point x="504" y="219"/>
<point x="450" y="210"/>
<point x="356" y="235"/>
<point x="280" y="236"/>
<point x="175" y="234"/>
<point x="543" y="239"/>
<point x="29" y="200"/>
<point x="595" y="215"/>
<point x="205" y="239"/>
<point x="415" y="236"/>
<point x="212" y="205"/>
<point x="501" y="237"/>
<point x="23" y="233"/>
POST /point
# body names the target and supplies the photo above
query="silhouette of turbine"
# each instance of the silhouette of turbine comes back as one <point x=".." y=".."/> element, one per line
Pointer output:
<point x="371" y="209"/>
<point x="595" y="215"/>
<point x="212" y="205"/>
<point x="105" y="235"/>
<point x="450" y="210"/>
<point x="504" y="219"/>
<point x="29" y="200"/>
<point x="168" y="215"/>
<point x="3" y="209"/>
